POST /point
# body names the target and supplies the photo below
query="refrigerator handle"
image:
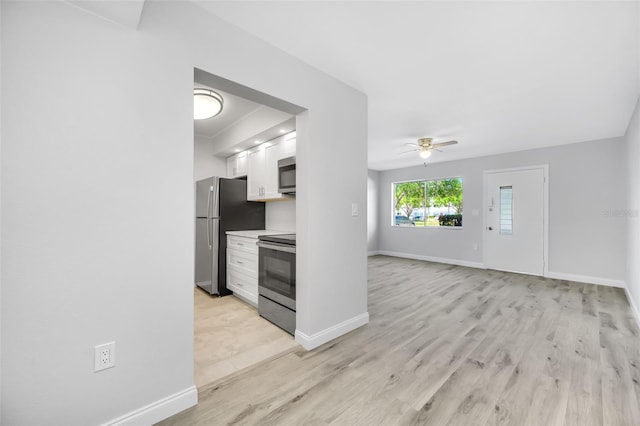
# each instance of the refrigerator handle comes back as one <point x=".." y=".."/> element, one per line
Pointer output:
<point x="209" y="212"/>
<point x="215" y="213"/>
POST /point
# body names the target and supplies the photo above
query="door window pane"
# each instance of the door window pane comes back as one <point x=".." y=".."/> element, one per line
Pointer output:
<point x="506" y="210"/>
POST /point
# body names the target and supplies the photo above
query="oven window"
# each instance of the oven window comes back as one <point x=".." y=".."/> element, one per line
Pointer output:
<point x="278" y="276"/>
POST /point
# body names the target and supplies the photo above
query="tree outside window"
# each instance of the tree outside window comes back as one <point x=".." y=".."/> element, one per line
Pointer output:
<point x="429" y="203"/>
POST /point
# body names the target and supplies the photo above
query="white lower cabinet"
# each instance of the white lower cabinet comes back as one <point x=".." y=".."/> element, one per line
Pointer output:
<point x="242" y="267"/>
<point x="243" y="286"/>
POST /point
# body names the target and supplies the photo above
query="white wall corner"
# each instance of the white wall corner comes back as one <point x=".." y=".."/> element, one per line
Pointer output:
<point x="457" y="262"/>
<point x="125" y="13"/>
<point x="159" y="410"/>
<point x="310" y="342"/>
<point x="609" y="282"/>
<point x="633" y="306"/>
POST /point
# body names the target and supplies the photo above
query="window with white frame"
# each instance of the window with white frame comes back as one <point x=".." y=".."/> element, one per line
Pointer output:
<point x="428" y="203"/>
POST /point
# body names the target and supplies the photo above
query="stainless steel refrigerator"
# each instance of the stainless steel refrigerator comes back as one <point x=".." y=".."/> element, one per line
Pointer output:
<point x="221" y="206"/>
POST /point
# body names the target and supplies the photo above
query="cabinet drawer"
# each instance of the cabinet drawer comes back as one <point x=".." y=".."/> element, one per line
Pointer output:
<point x="243" y="262"/>
<point x="242" y="243"/>
<point x="243" y="286"/>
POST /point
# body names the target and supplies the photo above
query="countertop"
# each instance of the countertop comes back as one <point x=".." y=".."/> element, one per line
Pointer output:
<point x="256" y="233"/>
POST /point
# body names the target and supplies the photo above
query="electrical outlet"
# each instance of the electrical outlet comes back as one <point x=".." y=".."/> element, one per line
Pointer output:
<point x="104" y="356"/>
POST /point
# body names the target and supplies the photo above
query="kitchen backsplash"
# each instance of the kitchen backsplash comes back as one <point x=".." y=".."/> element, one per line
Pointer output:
<point x="281" y="215"/>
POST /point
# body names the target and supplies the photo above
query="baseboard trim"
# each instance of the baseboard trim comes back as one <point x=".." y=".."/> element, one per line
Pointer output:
<point x="550" y="274"/>
<point x="585" y="279"/>
<point x="159" y="410"/>
<point x="313" y="341"/>
<point x="373" y="253"/>
<point x="433" y="259"/>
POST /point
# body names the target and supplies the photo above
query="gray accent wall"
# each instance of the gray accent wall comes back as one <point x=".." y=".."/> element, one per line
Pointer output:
<point x="587" y="186"/>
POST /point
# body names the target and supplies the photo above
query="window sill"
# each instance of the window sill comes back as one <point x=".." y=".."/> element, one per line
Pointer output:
<point x="429" y="227"/>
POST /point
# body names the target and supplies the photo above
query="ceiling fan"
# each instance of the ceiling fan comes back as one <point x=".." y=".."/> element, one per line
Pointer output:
<point x="426" y="145"/>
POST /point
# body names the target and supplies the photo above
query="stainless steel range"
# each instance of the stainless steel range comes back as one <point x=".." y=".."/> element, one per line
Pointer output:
<point x="277" y="280"/>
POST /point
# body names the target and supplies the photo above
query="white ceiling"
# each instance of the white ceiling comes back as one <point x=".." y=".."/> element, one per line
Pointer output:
<point x="496" y="76"/>
<point x="234" y="109"/>
<point x="126" y="13"/>
<point x="241" y="124"/>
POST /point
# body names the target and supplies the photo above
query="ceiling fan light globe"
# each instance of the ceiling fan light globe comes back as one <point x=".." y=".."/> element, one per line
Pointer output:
<point x="424" y="154"/>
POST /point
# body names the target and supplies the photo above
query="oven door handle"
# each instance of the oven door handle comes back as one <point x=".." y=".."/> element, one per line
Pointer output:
<point x="275" y="246"/>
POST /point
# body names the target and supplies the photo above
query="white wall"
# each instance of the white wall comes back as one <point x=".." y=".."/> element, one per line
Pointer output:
<point x="205" y="164"/>
<point x="1" y="327"/>
<point x="587" y="182"/>
<point x="97" y="229"/>
<point x="632" y="138"/>
<point x="373" y="182"/>
<point x="97" y="202"/>
<point x="632" y="210"/>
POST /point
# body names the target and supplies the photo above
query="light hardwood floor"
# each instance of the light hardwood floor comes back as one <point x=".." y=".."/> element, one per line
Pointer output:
<point x="449" y="345"/>
<point x="230" y="336"/>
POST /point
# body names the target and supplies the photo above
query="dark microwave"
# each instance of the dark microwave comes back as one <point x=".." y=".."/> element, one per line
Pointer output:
<point x="287" y="176"/>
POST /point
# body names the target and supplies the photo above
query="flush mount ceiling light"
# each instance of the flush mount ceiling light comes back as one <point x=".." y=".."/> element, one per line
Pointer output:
<point x="206" y="104"/>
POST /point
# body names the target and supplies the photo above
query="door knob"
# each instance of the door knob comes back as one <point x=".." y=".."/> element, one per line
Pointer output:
<point x="489" y="228"/>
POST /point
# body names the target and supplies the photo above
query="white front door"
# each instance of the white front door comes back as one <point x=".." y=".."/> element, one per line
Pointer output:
<point x="515" y="211"/>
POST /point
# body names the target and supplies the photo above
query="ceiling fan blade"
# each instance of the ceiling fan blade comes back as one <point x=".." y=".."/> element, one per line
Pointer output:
<point x="406" y="152"/>
<point x="412" y="144"/>
<point x="444" y="143"/>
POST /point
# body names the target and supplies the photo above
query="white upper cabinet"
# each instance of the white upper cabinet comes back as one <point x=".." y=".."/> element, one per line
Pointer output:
<point x="272" y="154"/>
<point x="262" y="167"/>
<point x="237" y="165"/>
<point x="241" y="164"/>
<point x="289" y="145"/>
<point x="255" y="173"/>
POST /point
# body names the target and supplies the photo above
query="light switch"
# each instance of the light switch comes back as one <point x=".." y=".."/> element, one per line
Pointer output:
<point x="354" y="209"/>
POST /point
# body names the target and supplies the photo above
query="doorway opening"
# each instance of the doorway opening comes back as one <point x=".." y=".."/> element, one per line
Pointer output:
<point x="234" y="150"/>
